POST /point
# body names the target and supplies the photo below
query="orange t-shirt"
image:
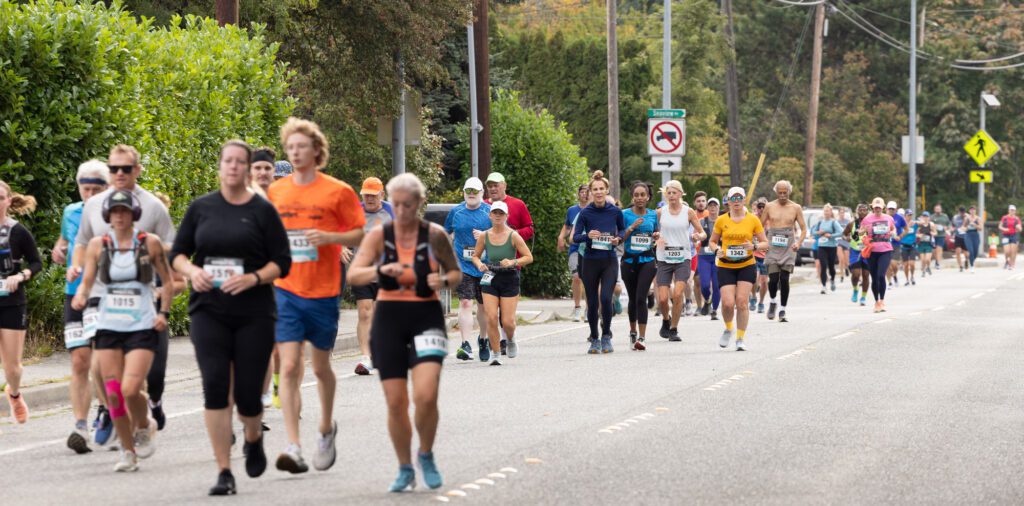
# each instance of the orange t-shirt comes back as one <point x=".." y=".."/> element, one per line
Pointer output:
<point x="326" y="204"/>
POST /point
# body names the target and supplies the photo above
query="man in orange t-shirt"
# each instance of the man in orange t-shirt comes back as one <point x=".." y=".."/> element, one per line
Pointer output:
<point x="321" y="214"/>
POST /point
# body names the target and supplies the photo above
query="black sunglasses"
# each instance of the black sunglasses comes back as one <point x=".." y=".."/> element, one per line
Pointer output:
<point x="127" y="169"/>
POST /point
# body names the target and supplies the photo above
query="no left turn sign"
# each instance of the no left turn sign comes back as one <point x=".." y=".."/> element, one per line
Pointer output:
<point x="666" y="137"/>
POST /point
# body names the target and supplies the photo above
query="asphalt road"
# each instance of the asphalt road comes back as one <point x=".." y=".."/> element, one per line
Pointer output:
<point x="919" y="405"/>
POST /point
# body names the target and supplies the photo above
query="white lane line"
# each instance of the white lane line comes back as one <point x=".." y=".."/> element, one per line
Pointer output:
<point x="457" y="493"/>
<point x="484" y="481"/>
<point x="509" y="470"/>
<point x="737" y="377"/>
<point x="470" y="486"/>
<point x="915" y="313"/>
<point x="990" y="290"/>
<point x="961" y="303"/>
<point x="977" y="295"/>
<point x="884" y="320"/>
<point x="442" y="498"/>
<point x="938" y="308"/>
<point x="844" y="335"/>
<point x="497" y="475"/>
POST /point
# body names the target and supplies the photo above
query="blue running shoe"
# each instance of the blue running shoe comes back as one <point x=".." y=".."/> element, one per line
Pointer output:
<point x="104" y="428"/>
<point x="595" y="346"/>
<point x="760" y="307"/>
<point x="406" y="480"/>
<point x="606" y="344"/>
<point x="465" y="352"/>
<point x="752" y="302"/>
<point x="428" y="471"/>
<point x="855" y="294"/>
<point x="485" y="349"/>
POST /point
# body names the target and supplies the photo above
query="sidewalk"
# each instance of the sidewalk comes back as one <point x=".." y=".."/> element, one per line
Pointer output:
<point x="45" y="381"/>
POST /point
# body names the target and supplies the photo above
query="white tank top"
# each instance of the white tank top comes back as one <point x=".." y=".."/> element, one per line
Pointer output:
<point x="675" y="230"/>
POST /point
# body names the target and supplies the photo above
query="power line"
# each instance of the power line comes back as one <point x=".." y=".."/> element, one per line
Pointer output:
<point x="789" y="82"/>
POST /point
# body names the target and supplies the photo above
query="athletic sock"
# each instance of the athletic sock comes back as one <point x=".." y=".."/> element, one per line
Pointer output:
<point x="782" y="308"/>
<point x="774" y="300"/>
<point x="277" y="378"/>
<point x="728" y="326"/>
<point x="740" y="333"/>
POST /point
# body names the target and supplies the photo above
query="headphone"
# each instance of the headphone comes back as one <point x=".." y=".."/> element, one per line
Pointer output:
<point x="136" y="208"/>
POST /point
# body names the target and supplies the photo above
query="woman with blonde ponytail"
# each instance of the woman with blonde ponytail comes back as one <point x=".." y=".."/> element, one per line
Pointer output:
<point x="19" y="261"/>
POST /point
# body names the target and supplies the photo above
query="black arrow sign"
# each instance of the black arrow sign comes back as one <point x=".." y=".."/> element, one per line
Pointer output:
<point x="666" y="163"/>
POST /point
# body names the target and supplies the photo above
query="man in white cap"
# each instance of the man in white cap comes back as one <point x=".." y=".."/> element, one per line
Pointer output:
<point x="1009" y="227"/>
<point x="780" y="218"/>
<point x="519" y="218"/>
<point x="465" y="223"/>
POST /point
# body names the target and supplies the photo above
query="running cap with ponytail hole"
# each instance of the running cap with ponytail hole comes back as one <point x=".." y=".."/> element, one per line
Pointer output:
<point x="735" y="190"/>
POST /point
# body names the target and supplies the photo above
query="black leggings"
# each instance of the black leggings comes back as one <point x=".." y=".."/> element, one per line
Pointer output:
<point x="222" y="341"/>
<point x="878" y="263"/>
<point x="600" y="275"/>
<point x="827" y="256"/>
<point x="157" y="371"/>
<point x="638" y="279"/>
<point x="776" y="281"/>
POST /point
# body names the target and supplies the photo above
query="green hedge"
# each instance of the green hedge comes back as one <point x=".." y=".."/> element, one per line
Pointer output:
<point x="543" y="167"/>
<point x="79" y="77"/>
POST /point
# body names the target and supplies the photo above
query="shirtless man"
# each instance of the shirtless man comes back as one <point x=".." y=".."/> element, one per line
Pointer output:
<point x="779" y="219"/>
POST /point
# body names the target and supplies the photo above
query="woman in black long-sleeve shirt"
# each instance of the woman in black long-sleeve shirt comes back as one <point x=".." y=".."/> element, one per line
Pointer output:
<point x="232" y="246"/>
<point x="601" y="226"/>
<point x="19" y="261"/>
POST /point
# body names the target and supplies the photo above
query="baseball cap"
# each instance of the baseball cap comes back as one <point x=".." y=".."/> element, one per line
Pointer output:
<point x="878" y="202"/>
<point x="735" y="190"/>
<point x="120" y="198"/>
<point x="495" y="177"/>
<point x="714" y="201"/>
<point x="372" y="186"/>
<point x="925" y="214"/>
<point x="473" y="183"/>
<point x="282" y="168"/>
<point x="499" y="206"/>
<point x="1013" y="207"/>
<point x="901" y="211"/>
<point x="891" y="205"/>
<point x="908" y="211"/>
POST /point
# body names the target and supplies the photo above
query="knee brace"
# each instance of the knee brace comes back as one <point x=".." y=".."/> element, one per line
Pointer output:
<point x="115" y="400"/>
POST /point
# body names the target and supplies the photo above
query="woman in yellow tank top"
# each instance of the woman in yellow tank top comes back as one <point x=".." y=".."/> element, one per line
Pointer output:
<point x="411" y="259"/>
<point x="733" y="242"/>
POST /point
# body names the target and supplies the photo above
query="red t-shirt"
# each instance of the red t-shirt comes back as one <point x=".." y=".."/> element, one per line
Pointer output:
<point x="1011" y="223"/>
<point x="519" y="217"/>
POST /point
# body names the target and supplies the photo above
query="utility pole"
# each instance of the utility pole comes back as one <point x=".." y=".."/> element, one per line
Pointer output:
<point x="398" y="125"/>
<point x="613" y="102"/>
<point x="474" y="128"/>
<point x="226" y="12"/>
<point x="912" y="119"/>
<point x="666" y="70"/>
<point x="732" y="101"/>
<point x="812" y="109"/>
<point x="483" y="82"/>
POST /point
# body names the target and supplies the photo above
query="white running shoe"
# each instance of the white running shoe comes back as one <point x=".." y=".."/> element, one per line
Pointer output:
<point x="723" y="342"/>
<point x="513" y="348"/>
<point x="496" y="359"/>
<point x="78" y="441"/>
<point x="129" y="462"/>
<point x="325" y="450"/>
<point x="577" y="314"/>
<point x="145" y="440"/>
<point x="740" y="346"/>
<point x="267" y="399"/>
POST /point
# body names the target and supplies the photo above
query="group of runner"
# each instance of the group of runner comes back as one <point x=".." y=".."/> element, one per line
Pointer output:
<point x="267" y="255"/>
<point x="264" y="257"/>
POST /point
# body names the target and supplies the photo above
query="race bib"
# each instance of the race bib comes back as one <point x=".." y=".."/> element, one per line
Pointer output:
<point x="736" y="252"/>
<point x="74" y="335"/>
<point x="467" y="253"/>
<point x="880" y="228"/>
<point x="221" y="269"/>
<point x="675" y="255"/>
<point x="432" y="343"/>
<point x="485" y="280"/>
<point x="707" y="251"/>
<point x="302" y="250"/>
<point x="603" y="242"/>
<point x="3" y="288"/>
<point x="90" y="317"/>
<point x="939" y="228"/>
<point x="1006" y="240"/>
<point x="640" y="242"/>
<point x="123" y="305"/>
<point x="780" y="241"/>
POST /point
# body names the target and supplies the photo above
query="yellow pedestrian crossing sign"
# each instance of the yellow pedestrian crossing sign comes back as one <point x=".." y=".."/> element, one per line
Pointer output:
<point x="981" y="147"/>
<point x="981" y="176"/>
